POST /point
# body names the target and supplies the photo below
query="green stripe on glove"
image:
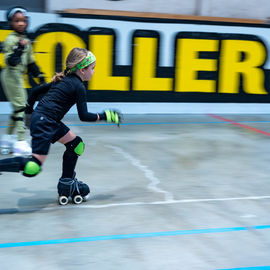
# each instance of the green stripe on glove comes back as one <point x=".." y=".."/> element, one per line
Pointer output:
<point x="113" y="116"/>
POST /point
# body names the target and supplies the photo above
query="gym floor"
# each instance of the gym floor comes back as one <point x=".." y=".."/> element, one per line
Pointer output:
<point x="168" y="192"/>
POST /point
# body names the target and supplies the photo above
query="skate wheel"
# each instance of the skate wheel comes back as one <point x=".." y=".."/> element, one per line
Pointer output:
<point x="63" y="200"/>
<point x="77" y="199"/>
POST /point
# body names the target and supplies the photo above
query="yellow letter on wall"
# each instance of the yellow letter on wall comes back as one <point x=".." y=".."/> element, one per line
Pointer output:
<point x="102" y="48"/>
<point x="45" y="49"/>
<point x="231" y="66"/>
<point x="188" y="64"/>
<point x="3" y="35"/>
<point x="144" y="67"/>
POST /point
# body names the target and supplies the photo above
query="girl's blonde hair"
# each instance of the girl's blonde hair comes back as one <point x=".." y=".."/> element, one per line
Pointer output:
<point x="75" y="56"/>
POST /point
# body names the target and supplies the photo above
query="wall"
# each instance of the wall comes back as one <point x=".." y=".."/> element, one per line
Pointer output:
<point x="171" y="6"/>
<point x="249" y="9"/>
<point x="148" y="65"/>
<point x="32" y="6"/>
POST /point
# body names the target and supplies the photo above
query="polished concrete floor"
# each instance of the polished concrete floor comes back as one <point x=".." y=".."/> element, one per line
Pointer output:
<point x="168" y="192"/>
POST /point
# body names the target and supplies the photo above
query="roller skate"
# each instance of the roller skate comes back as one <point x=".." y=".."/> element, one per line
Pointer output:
<point x="21" y="148"/>
<point x="72" y="188"/>
<point x="7" y="142"/>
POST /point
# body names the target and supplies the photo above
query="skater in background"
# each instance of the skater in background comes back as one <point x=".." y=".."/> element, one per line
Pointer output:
<point x="46" y="127"/>
<point x="19" y="59"/>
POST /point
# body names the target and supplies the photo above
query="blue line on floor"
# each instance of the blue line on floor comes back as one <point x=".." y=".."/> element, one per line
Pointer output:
<point x="156" y="123"/>
<point x="131" y="236"/>
<point x="166" y="123"/>
<point x="250" y="268"/>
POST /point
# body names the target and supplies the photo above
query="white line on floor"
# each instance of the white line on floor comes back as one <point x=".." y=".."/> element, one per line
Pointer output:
<point x="149" y="174"/>
<point x="97" y="206"/>
<point x="88" y="205"/>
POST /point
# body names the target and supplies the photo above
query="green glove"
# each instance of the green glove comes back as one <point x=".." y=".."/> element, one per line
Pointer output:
<point x="113" y="116"/>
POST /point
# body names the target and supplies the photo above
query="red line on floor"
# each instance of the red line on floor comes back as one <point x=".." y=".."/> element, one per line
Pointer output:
<point x="239" y="124"/>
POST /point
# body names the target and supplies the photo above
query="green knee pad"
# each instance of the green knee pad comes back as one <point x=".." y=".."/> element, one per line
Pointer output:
<point x="79" y="149"/>
<point x="31" y="168"/>
<point x="75" y="146"/>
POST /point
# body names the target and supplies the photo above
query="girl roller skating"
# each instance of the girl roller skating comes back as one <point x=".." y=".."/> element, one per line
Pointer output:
<point x="46" y="127"/>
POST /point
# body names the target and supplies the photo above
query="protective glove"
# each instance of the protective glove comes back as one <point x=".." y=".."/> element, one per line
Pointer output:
<point x="113" y="116"/>
<point x="15" y="58"/>
<point x="41" y="79"/>
<point x="21" y="45"/>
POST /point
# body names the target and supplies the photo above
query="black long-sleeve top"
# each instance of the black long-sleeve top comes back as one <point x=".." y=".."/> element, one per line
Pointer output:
<point x="60" y="97"/>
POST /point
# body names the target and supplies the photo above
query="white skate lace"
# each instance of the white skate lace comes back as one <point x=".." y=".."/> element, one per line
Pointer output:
<point x="73" y="185"/>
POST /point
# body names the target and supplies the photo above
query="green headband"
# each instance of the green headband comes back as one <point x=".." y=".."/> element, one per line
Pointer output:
<point x="88" y="60"/>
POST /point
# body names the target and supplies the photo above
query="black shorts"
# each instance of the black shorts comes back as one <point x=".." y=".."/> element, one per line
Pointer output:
<point x="44" y="132"/>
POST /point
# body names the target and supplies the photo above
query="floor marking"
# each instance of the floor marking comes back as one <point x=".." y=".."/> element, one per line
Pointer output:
<point x="149" y="174"/>
<point x="158" y="123"/>
<point x="167" y="123"/>
<point x="248" y="216"/>
<point x="132" y="236"/>
<point x="99" y="206"/>
<point x="173" y="202"/>
<point x="239" y="124"/>
<point x="249" y="268"/>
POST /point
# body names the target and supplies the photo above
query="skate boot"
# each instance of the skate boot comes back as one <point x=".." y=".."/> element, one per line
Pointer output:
<point x="21" y="148"/>
<point x="7" y="142"/>
<point x="72" y="188"/>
